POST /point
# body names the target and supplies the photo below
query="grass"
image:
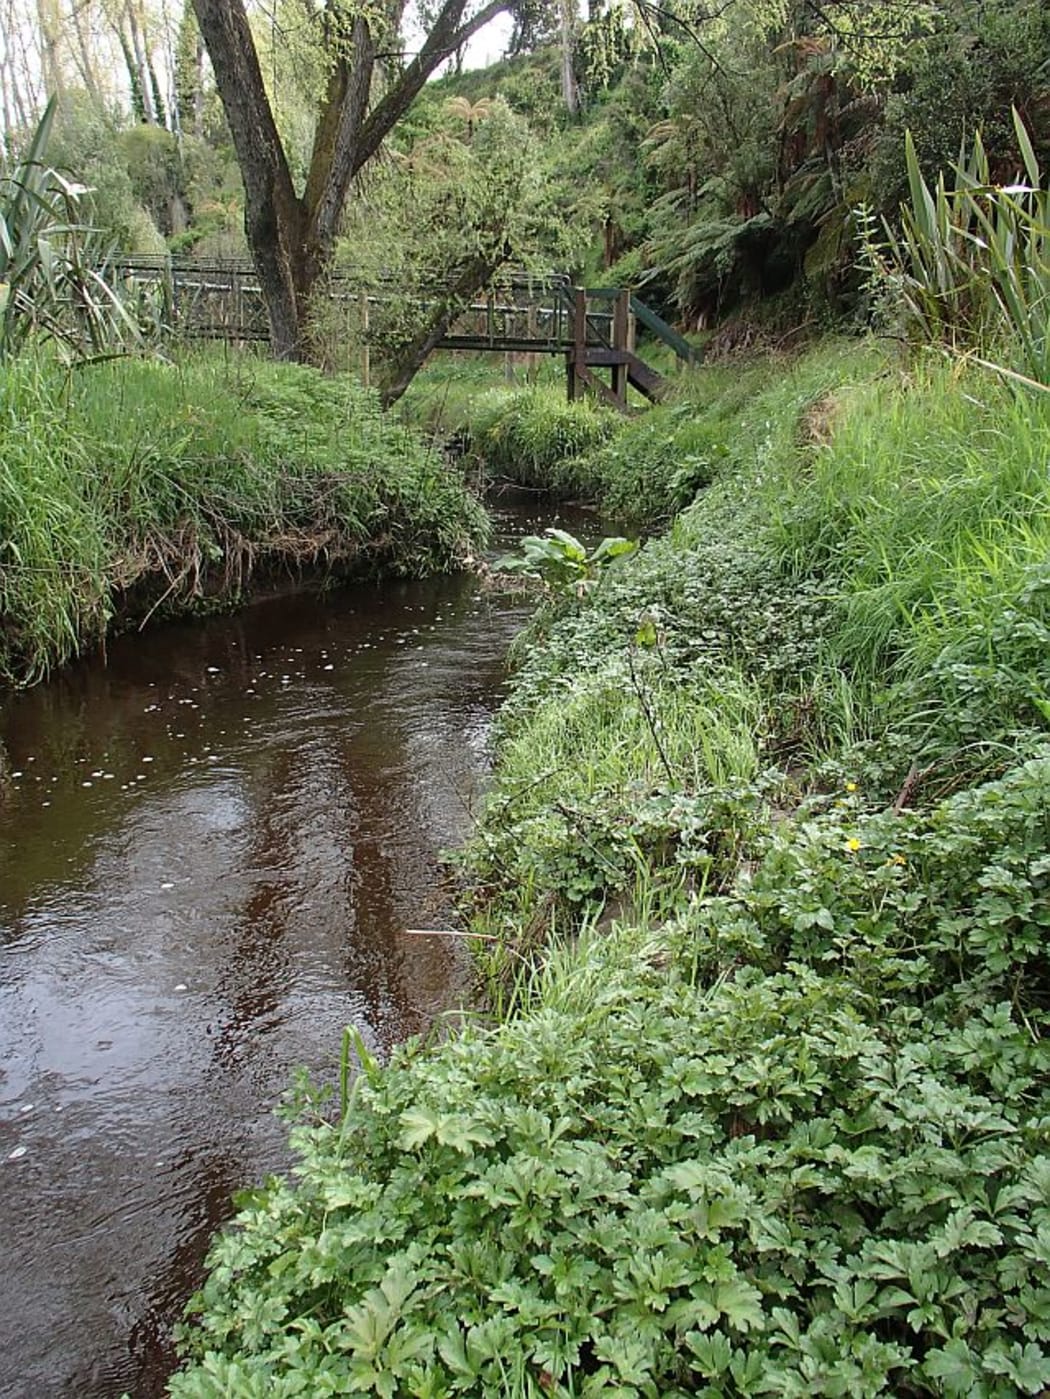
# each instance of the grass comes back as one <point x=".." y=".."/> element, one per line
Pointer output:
<point x="535" y="437"/>
<point x="762" y="882"/>
<point x="928" y="507"/>
<point x="135" y="484"/>
<point x="642" y="469"/>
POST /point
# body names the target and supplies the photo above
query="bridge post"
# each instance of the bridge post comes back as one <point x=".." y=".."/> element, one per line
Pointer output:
<point x="576" y="359"/>
<point x="620" y="337"/>
<point x="366" y="355"/>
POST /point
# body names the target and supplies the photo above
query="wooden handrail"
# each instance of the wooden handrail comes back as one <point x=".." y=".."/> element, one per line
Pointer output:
<point x="659" y="327"/>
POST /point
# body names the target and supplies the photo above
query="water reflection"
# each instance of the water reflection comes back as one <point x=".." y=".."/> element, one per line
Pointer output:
<point x="208" y="858"/>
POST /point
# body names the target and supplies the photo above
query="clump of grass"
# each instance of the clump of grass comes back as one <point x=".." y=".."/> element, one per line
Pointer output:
<point x="128" y="485"/>
<point x="926" y="521"/>
<point x="535" y="437"/>
<point x="442" y="396"/>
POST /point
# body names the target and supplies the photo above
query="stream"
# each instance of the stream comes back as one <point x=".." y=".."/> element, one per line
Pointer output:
<point x="211" y="846"/>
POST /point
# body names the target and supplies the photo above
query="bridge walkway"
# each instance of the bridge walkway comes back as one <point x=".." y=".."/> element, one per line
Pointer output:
<point x="594" y="329"/>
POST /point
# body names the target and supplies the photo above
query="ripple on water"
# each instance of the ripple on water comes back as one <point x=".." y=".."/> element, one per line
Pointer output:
<point x="268" y="793"/>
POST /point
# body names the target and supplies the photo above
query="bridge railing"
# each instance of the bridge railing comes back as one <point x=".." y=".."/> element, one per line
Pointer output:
<point x="221" y="298"/>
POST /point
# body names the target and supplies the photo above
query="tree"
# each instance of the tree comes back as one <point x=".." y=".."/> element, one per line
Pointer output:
<point x="292" y="233"/>
<point x="435" y="221"/>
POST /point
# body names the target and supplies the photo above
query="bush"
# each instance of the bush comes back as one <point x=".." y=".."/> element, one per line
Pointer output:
<point x="656" y="465"/>
<point x="536" y="437"/>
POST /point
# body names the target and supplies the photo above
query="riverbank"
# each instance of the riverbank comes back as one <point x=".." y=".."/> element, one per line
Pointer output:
<point x="136" y="487"/>
<point x="761" y="888"/>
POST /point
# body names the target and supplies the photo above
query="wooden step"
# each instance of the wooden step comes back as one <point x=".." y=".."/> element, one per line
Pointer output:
<point x="645" y="379"/>
<point x="639" y="374"/>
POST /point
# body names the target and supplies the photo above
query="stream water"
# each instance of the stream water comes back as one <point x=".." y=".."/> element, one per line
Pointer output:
<point x="211" y="847"/>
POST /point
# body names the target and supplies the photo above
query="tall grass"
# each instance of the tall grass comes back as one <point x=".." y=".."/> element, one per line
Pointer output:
<point x="535" y="437"/>
<point x="926" y="514"/>
<point x="442" y="396"/>
<point x="134" y="483"/>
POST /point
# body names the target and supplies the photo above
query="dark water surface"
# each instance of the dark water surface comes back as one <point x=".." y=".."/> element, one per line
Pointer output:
<point x="210" y="849"/>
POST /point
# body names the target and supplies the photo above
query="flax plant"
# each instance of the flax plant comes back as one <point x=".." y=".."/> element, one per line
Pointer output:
<point x="971" y="264"/>
<point x="52" y="265"/>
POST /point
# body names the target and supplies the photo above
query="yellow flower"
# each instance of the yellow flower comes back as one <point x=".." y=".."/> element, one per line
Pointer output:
<point x="852" y="844"/>
<point x="897" y="860"/>
<point x="851" y="786"/>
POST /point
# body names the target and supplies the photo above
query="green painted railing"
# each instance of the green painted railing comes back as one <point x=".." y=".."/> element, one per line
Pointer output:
<point x="646" y="316"/>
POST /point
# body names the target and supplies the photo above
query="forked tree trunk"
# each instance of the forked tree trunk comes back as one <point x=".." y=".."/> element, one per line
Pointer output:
<point x="273" y="214"/>
<point x="291" y="237"/>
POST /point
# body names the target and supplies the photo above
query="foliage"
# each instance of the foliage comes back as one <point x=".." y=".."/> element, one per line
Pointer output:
<point x="658" y="463"/>
<point x="460" y="197"/>
<point x="972" y="264"/>
<point x="136" y="484"/>
<point x="535" y="437"/>
<point x="765" y="920"/>
<point x="561" y="563"/>
<point x="85" y="146"/>
<point x="52" y="281"/>
<point x="984" y="59"/>
<point x="686" y="1168"/>
<point x="763" y="126"/>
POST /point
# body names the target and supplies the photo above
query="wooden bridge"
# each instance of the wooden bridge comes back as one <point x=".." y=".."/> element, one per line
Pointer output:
<point x="594" y="329"/>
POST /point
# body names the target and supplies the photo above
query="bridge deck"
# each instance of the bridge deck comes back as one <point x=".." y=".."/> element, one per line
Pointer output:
<point x="222" y="300"/>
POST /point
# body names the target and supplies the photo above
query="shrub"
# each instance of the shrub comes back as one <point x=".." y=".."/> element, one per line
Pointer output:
<point x="51" y="282"/>
<point x="536" y="437"/>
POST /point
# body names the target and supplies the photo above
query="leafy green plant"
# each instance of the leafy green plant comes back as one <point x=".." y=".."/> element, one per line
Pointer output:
<point x="52" y="266"/>
<point x="765" y="1107"/>
<point x="740" y="1151"/>
<point x="972" y="262"/>
<point x="561" y="563"/>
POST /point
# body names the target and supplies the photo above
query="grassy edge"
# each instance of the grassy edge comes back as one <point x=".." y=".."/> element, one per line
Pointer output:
<point x="768" y="1059"/>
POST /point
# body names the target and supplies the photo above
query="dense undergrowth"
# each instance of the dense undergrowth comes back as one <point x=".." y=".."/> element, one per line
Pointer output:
<point x="764" y="893"/>
<point x="129" y="485"/>
<point x="642" y="469"/>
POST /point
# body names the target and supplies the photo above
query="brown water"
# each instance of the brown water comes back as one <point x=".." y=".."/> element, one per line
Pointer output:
<point x="210" y="849"/>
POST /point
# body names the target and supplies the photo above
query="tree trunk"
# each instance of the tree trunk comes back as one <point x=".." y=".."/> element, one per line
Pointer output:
<point x="567" y="34"/>
<point x="274" y="219"/>
<point x="399" y="374"/>
<point x="50" y="29"/>
<point x="84" y="58"/>
<point x="138" y="101"/>
<point x="291" y="238"/>
<point x="141" y="65"/>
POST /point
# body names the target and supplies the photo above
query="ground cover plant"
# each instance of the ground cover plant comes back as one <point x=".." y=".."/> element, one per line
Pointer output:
<point x="706" y="1159"/>
<point x="762" y="890"/>
<point x="137" y="485"/>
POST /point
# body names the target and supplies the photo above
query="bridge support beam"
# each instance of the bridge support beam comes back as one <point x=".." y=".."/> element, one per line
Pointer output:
<point x="614" y="354"/>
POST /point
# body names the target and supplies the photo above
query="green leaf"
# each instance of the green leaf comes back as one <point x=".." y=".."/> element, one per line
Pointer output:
<point x="955" y="1366"/>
